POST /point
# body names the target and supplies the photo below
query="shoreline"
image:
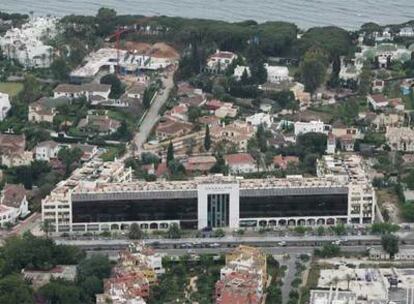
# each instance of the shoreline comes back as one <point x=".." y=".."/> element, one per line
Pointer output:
<point x="349" y="21"/>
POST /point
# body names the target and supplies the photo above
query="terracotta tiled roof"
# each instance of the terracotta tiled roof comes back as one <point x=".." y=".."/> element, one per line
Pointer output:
<point x="379" y="98"/>
<point x="10" y="143"/>
<point x="239" y="158"/>
<point x="13" y="195"/>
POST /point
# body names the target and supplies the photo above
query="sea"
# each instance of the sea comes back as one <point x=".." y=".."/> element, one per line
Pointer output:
<point x="349" y="14"/>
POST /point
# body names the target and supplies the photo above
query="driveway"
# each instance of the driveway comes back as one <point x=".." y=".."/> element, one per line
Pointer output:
<point x="152" y="116"/>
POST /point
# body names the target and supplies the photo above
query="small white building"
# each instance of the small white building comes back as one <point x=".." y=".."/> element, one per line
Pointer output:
<point x="377" y="101"/>
<point x="407" y="32"/>
<point x="89" y="90"/>
<point x="276" y="74"/>
<point x="220" y="61"/>
<point x="13" y="204"/>
<point x="259" y="119"/>
<point x="239" y="71"/>
<point x="5" y="105"/>
<point x="311" y="127"/>
<point x="47" y="150"/>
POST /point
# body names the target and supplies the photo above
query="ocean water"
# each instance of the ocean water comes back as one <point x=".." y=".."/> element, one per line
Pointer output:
<point x="349" y="14"/>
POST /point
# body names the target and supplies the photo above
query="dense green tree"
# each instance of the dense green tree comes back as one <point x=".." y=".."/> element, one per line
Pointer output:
<point x="13" y="289"/>
<point x="149" y="158"/>
<point x="31" y="89"/>
<point x="69" y="157"/>
<point x="334" y="41"/>
<point x="170" y="153"/>
<point x="390" y="244"/>
<point x="207" y="139"/>
<point x="220" y="165"/>
<point x="117" y="89"/>
<point x="384" y="228"/>
<point x="320" y="230"/>
<point x="89" y="287"/>
<point x="135" y="232"/>
<point x="339" y="229"/>
<point x="97" y="265"/>
<point x="123" y="133"/>
<point x="177" y="170"/>
<point x="256" y="61"/>
<point x="106" y="19"/>
<point x="328" y="251"/>
<point x="36" y="253"/>
<point x="194" y="113"/>
<point x="313" y="69"/>
<point x="60" y="292"/>
<point x="174" y="232"/>
<point x="60" y="69"/>
<point x="311" y="143"/>
<point x="244" y="79"/>
<point x="365" y="81"/>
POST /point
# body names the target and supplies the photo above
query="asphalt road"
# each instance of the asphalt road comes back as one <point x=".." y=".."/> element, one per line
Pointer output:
<point x="292" y="251"/>
<point x="152" y="116"/>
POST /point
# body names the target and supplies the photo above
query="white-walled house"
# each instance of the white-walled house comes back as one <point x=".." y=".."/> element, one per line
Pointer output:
<point x="47" y="150"/>
<point x="89" y="90"/>
<point x="407" y="31"/>
<point x="276" y="74"/>
<point x="5" y="105"/>
<point x="377" y="101"/>
<point x="239" y="71"/>
<point x="259" y="119"/>
<point x="220" y="61"/>
<point x="315" y="126"/>
<point x="13" y="203"/>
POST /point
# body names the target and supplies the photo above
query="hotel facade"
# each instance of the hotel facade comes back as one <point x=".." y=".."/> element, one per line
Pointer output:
<point x="113" y="202"/>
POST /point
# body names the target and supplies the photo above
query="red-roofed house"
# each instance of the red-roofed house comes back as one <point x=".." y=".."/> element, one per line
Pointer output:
<point x="170" y="129"/>
<point x="211" y="121"/>
<point x="283" y="162"/>
<point x="240" y="163"/>
<point x="238" y="288"/>
<point x="179" y="112"/>
<point x="200" y="163"/>
<point x="214" y="104"/>
<point x="162" y="169"/>
<point x="378" y="101"/>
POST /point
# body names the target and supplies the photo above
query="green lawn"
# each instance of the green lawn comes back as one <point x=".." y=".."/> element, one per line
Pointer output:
<point x="11" y="88"/>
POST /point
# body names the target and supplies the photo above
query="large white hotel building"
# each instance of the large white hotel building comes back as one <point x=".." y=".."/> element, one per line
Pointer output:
<point x="103" y="197"/>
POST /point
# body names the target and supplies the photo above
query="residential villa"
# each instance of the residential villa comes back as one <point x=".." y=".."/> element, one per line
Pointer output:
<point x="100" y="124"/>
<point x="90" y="91"/>
<point x="12" y="150"/>
<point x="44" y="109"/>
<point x="13" y="204"/>
<point x="237" y="133"/>
<point x="240" y="163"/>
<point x="220" y="61"/>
